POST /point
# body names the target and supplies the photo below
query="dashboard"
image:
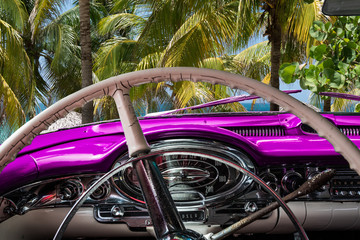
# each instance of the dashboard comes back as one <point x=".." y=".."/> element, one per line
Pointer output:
<point x="199" y="171"/>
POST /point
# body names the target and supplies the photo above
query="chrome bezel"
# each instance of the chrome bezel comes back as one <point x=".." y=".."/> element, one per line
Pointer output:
<point x="285" y="180"/>
<point x="199" y="147"/>
<point x="105" y="187"/>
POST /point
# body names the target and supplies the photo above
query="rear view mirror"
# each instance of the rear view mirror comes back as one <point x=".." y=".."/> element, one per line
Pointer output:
<point x="341" y="7"/>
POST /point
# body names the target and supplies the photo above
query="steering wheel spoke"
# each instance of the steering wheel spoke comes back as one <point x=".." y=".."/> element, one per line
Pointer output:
<point x="135" y="139"/>
<point x="161" y="207"/>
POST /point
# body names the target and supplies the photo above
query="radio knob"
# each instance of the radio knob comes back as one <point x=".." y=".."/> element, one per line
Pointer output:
<point x="291" y="181"/>
<point x="313" y="174"/>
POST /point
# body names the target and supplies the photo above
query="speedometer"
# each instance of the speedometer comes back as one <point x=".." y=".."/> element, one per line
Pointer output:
<point x="193" y="172"/>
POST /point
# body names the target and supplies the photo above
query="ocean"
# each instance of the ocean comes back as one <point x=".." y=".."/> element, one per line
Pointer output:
<point x="257" y="107"/>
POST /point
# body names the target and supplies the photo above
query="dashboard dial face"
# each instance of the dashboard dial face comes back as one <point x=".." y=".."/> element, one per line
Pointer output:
<point x="195" y="175"/>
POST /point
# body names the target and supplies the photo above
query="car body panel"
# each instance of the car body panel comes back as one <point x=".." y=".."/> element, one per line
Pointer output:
<point x="93" y="148"/>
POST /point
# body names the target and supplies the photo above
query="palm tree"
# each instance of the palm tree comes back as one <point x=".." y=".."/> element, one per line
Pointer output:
<point x="188" y="33"/>
<point x="285" y="23"/>
<point x="39" y="56"/>
<point x="11" y="54"/>
<point x="21" y="84"/>
<point x="61" y="57"/>
<point x="86" y="59"/>
<point x="168" y="34"/>
<point x="67" y="68"/>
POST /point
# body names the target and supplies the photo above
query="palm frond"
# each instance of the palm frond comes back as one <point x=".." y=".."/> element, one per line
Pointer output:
<point x="252" y="62"/>
<point x="15" y="65"/>
<point x="105" y="109"/>
<point x="42" y="11"/>
<point x="152" y="60"/>
<point x="11" y="41"/>
<point x="203" y="35"/>
<point x="151" y="97"/>
<point x="165" y="18"/>
<point x="61" y="40"/>
<point x="252" y="27"/>
<point x="124" y="5"/>
<point x="121" y="21"/>
<point x="115" y="57"/>
<point x="64" y="79"/>
<point x="301" y="19"/>
<point x="14" y="12"/>
<point x="70" y="17"/>
<point x="8" y="100"/>
<point x="213" y="63"/>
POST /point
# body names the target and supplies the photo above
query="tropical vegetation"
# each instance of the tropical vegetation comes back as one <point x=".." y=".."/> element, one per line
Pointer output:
<point x="334" y="64"/>
<point x="40" y="48"/>
<point x="40" y="56"/>
<point x="286" y="24"/>
<point x="22" y="87"/>
<point x="201" y="34"/>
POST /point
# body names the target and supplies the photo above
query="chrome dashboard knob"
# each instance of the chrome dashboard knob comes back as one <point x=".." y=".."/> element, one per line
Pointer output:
<point x="117" y="211"/>
<point x="250" y="207"/>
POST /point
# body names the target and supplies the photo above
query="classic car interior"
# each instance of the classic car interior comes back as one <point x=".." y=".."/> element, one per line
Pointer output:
<point x="205" y="168"/>
<point x="184" y="176"/>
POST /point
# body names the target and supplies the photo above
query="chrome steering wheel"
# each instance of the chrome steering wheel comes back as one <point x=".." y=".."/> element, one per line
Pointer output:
<point x="152" y="184"/>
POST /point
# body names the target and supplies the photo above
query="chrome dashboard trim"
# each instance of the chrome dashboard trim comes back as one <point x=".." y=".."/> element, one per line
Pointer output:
<point x="196" y="148"/>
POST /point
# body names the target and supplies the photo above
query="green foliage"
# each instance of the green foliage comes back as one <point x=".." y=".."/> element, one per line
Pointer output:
<point x="357" y="108"/>
<point x="17" y="82"/>
<point x="170" y="33"/>
<point x="336" y="58"/>
<point x="287" y="71"/>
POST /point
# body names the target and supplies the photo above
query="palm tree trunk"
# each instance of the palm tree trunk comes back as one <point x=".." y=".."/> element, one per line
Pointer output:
<point x="275" y="39"/>
<point x="327" y="105"/>
<point x="86" y="60"/>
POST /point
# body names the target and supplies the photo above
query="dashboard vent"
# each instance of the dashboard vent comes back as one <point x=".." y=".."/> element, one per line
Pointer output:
<point x="306" y="128"/>
<point x="350" y="130"/>
<point x="274" y="131"/>
<point x="347" y="130"/>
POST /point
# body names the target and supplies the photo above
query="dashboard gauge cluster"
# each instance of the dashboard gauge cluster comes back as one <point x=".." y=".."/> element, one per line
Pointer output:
<point x="196" y="172"/>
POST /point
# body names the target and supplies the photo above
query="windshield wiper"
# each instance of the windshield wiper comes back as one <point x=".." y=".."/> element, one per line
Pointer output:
<point x="214" y="103"/>
<point x="341" y="95"/>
